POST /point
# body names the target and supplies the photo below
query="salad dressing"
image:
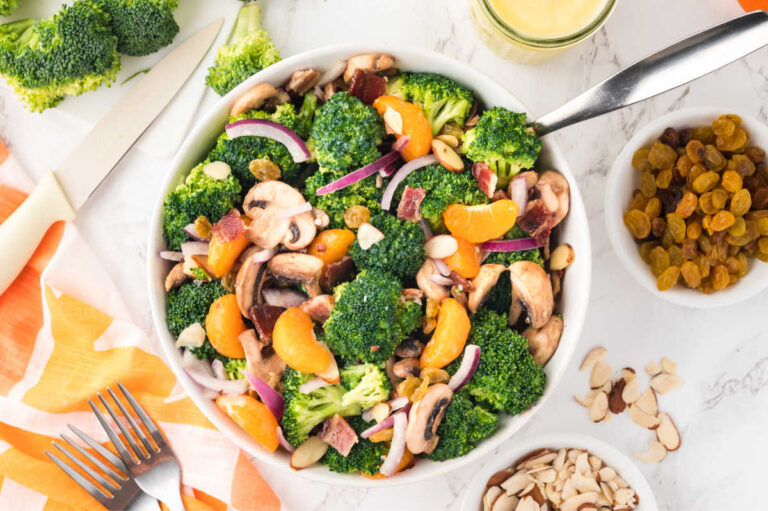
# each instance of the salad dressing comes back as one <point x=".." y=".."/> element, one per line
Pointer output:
<point x="548" y="19"/>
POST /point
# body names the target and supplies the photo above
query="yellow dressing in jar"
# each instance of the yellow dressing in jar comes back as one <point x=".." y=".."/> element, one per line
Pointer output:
<point x="548" y="19"/>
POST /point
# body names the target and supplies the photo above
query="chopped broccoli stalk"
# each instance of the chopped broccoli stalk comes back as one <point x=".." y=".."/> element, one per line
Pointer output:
<point x="507" y="379"/>
<point x="401" y="252"/>
<point x="365" y="457"/>
<point x="346" y="133"/>
<point x="7" y="6"/>
<point x="248" y="51"/>
<point x="199" y="195"/>
<point x="366" y="384"/>
<point x="464" y="425"/>
<point x="306" y="115"/>
<point x="369" y="320"/>
<point x="72" y="52"/>
<point x="142" y="26"/>
<point x="235" y="368"/>
<point x="503" y="142"/>
<point x="442" y="99"/>
<point x="362" y="193"/>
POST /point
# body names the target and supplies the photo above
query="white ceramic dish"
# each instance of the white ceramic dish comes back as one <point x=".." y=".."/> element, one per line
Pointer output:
<point x="610" y="455"/>
<point x="574" y="230"/>
<point x="623" y="179"/>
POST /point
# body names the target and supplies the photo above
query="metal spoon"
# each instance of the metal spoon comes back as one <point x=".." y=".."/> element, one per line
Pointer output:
<point x="671" y="67"/>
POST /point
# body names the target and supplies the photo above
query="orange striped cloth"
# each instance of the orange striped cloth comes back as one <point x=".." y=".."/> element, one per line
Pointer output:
<point x="57" y="349"/>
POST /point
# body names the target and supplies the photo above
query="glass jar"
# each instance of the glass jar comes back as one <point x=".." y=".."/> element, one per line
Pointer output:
<point x="511" y="44"/>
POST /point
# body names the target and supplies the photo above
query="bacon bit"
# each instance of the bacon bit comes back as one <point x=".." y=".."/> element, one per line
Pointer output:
<point x="499" y="195"/>
<point x="335" y="273"/>
<point x="229" y="227"/>
<point x="375" y="348"/>
<point x="367" y="86"/>
<point x="339" y="434"/>
<point x="460" y="282"/>
<point x="264" y="318"/>
<point x="486" y="178"/>
<point x="319" y="308"/>
<point x="410" y="205"/>
<point x="538" y="220"/>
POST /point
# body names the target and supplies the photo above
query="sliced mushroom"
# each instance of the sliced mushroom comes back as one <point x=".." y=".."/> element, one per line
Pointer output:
<point x="410" y="348"/>
<point x="373" y="62"/>
<point x="431" y="288"/>
<point x="297" y="267"/>
<point x="175" y="277"/>
<point x="279" y="98"/>
<point x="301" y="231"/>
<point x="531" y="294"/>
<point x="556" y="193"/>
<point x="483" y="283"/>
<point x="425" y="417"/>
<point x="406" y="367"/>
<point x="248" y="284"/>
<point x="253" y="98"/>
<point x="263" y="204"/>
<point x="302" y="80"/>
<point x="542" y="342"/>
<point x="261" y="360"/>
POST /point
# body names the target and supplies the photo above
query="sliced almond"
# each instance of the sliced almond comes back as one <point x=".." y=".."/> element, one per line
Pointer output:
<point x="568" y="491"/>
<point x="308" y="453"/>
<point x="393" y="121"/>
<point x="599" y="407"/>
<point x="595" y="463"/>
<point x="667" y="433"/>
<point x="587" y="506"/>
<point x="573" y="503"/>
<point x="491" y="494"/>
<point x="582" y="463"/>
<point x="505" y="502"/>
<point x="526" y="504"/>
<point x="544" y="459"/>
<point x="620" y="482"/>
<point x="606" y="473"/>
<point x="663" y="383"/>
<point x="516" y="484"/>
<point x="655" y="453"/>
<point x="529" y="456"/>
<point x="218" y="170"/>
<point x="623" y="497"/>
<point x="191" y="337"/>
<point x="607" y="417"/>
<point x="607" y="491"/>
<point x="648" y="403"/>
<point x="559" y="461"/>
<point x="536" y="493"/>
<point x="441" y="246"/>
<point x="601" y="374"/>
<point x="668" y="366"/>
<point x="631" y="391"/>
<point x="592" y="357"/>
<point x="547" y="476"/>
<point x="643" y="419"/>
<point x="628" y="374"/>
<point x="499" y="477"/>
<point x="380" y="412"/>
<point x="607" y="386"/>
<point x="451" y="140"/>
<point x="653" y="368"/>
<point x="584" y="484"/>
<point x="561" y="257"/>
<point x="447" y="156"/>
<point x="616" y="403"/>
<point x="368" y="235"/>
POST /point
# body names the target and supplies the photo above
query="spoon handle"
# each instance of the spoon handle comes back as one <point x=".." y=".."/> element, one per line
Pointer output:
<point x="671" y="67"/>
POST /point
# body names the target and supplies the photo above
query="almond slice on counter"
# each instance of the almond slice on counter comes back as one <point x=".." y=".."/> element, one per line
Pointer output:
<point x="663" y="383"/>
<point x="653" y="368"/>
<point x="601" y="374"/>
<point x="648" y="403"/>
<point x="587" y="400"/>
<point x="668" y="366"/>
<point x="491" y="494"/>
<point x="667" y="433"/>
<point x="616" y="403"/>
<point x="631" y="392"/>
<point x="592" y="357"/>
<point x="643" y="419"/>
<point x="599" y="407"/>
<point x="628" y="374"/>
<point x="655" y="453"/>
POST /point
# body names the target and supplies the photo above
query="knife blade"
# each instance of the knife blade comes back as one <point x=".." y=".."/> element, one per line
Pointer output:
<point x="60" y="194"/>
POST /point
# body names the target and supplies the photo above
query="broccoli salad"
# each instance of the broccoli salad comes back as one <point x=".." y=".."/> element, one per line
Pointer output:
<point x="364" y="271"/>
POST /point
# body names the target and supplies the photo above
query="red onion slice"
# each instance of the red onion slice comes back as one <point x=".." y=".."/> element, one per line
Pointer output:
<point x="467" y="368"/>
<point x="285" y="444"/>
<point x="426" y="228"/>
<point x="441" y="280"/>
<point x="285" y="298"/>
<point x="389" y="169"/>
<point x="332" y="72"/>
<point x="381" y="426"/>
<point x="218" y="370"/>
<point x="359" y="174"/>
<point x="313" y="384"/>
<point x="397" y="447"/>
<point x="518" y="192"/>
<point x="400" y="175"/>
<point x="511" y="245"/>
<point x="268" y="395"/>
<point x="400" y="143"/>
<point x="397" y="403"/>
<point x="191" y="248"/>
<point x="291" y="212"/>
<point x="170" y="255"/>
<point x="273" y="130"/>
<point x="202" y="373"/>
<point x="191" y="230"/>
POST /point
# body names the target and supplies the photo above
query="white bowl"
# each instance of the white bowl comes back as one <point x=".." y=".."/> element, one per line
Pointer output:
<point x="623" y="178"/>
<point x="574" y="230"/>
<point x="611" y="456"/>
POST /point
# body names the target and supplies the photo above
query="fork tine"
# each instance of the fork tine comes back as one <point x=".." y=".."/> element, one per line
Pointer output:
<point x="143" y="417"/>
<point x="136" y="449"/>
<point x="79" y="479"/>
<point x="103" y="466"/>
<point x="93" y="444"/>
<point x="88" y="470"/>
<point x="128" y="459"/>
<point x="139" y="432"/>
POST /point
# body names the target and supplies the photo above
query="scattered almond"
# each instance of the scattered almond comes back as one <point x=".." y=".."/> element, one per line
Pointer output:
<point x="616" y="403"/>
<point x="447" y="156"/>
<point x="601" y="374"/>
<point x="655" y="453"/>
<point x="667" y="433"/>
<point x="631" y="392"/>
<point x="653" y="368"/>
<point x="663" y="383"/>
<point x="648" y="402"/>
<point x="599" y="407"/>
<point x="587" y="400"/>
<point x="628" y="374"/>
<point x="668" y="366"/>
<point x="643" y="419"/>
<point x="592" y="357"/>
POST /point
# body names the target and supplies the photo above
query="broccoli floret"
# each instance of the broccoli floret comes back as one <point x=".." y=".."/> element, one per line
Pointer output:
<point x="346" y="133"/>
<point x="444" y="188"/>
<point x="72" y="52"/>
<point x="7" y="6"/>
<point x="239" y="152"/>
<point x="442" y="99"/>
<point x="365" y="457"/>
<point x="464" y="425"/>
<point x="500" y="297"/>
<point x="199" y="195"/>
<point x="503" y="142"/>
<point x="306" y="115"/>
<point x="189" y="303"/>
<point x="142" y="26"/>
<point x="369" y="320"/>
<point x="235" y="368"/>
<point x="362" y="193"/>
<point x="507" y="379"/>
<point x="507" y="258"/>
<point x="248" y="51"/>
<point x="401" y="252"/>
<point x="367" y="385"/>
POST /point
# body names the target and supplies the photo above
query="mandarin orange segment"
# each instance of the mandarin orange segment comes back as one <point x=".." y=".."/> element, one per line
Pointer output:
<point x="253" y="416"/>
<point x="331" y="245"/>
<point x="478" y="224"/>
<point x="223" y="254"/>
<point x="450" y="335"/>
<point x="414" y="124"/>
<point x="466" y="260"/>
<point x="223" y="325"/>
<point x="294" y="341"/>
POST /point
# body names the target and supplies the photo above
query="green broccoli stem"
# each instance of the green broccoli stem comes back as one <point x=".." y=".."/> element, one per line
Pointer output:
<point x="23" y="28"/>
<point x="248" y="20"/>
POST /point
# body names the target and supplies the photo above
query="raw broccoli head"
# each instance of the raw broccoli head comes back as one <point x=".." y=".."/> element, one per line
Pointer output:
<point x="189" y="303"/>
<point x="365" y="457"/>
<point x="248" y="51"/>
<point x="199" y="195"/>
<point x="142" y="26"/>
<point x="507" y="379"/>
<point x="401" y="252"/>
<point x="306" y="115"/>
<point x="239" y="152"/>
<point x="346" y="133"/>
<point x="501" y="140"/>
<point x="369" y="320"/>
<point x="362" y="193"/>
<point x="235" y="368"/>
<point x="72" y="52"/>
<point x="442" y="99"/>
<point x="464" y="425"/>
<point x="7" y="6"/>
<point x="366" y="384"/>
<point x="444" y="188"/>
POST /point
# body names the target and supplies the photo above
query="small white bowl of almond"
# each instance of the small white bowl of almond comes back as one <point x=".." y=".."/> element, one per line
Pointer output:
<point x="560" y="472"/>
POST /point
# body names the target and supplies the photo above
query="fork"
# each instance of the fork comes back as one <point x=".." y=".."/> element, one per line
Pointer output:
<point x="125" y="494"/>
<point x="155" y="467"/>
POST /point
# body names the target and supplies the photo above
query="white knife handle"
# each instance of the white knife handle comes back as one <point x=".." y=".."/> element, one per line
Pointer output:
<point x="22" y="232"/>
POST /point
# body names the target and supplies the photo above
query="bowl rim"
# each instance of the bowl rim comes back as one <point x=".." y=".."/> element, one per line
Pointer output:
<point x="625" y="246"/>
<point x="613" y="457"/>
<point x="171" y="354"/>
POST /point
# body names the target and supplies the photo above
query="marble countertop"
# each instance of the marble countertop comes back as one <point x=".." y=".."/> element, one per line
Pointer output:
<point x="722" y="408"/>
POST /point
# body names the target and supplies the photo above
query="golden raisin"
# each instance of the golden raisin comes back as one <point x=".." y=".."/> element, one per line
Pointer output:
<point x="638" y="201"/>
<point x="645" y="250"/>
<point x="640" y="159"/>
<point x="732" y="117"/>
<point x="731" y="181"/>
<point x="675" y="255"/>
<point x="741" y="257"/>
<point x="653" y="208"/>
<point x="703" y="263"/>
<point x="755" y="154"/>
<point x="203" y="226"/>
<point x="683" y="165"/>
<point x="720" y="277"/>
<point x="406" y="387"/>
<point x="676" y="227"/>
<point x="694" y="149"/>
<point x="264" y="170"/>
<point x="661" y="156"/>
<point x="420" y="391"/>
<point x="691" y="274"/>
<point x="743" y="164"/>
<point x="658" y="225"/>
<point x="704" y="134"/>
<point x="741" y="202"/>
<point x="693" y="230"/>
<point x="638" y="223"/>
<point x="705" y="182"/>
<point x="738" y="228"/>
<point x="713" y="158"/>
<point x="687" y="205"/>
<point x="688" y="250"/>
<point x="719" y="198"/>
<point x="734" y="143"/>
<point x="762" y="245"/>
<point x="722" y="221"/>
<point x="668" y="278"/>
<point x="706" y="205"/>
<point x="355" y="216"/>
<point x="723" y="127"/>
<point x="659" y="260"/>
<point x="648" y="184"/>
<point x="435" y="375"/>
<point x="664" y="178"/>
<point x="732" y="264"/>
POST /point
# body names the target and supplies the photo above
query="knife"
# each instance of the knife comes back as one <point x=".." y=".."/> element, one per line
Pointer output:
<point x="60" y="194"/>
